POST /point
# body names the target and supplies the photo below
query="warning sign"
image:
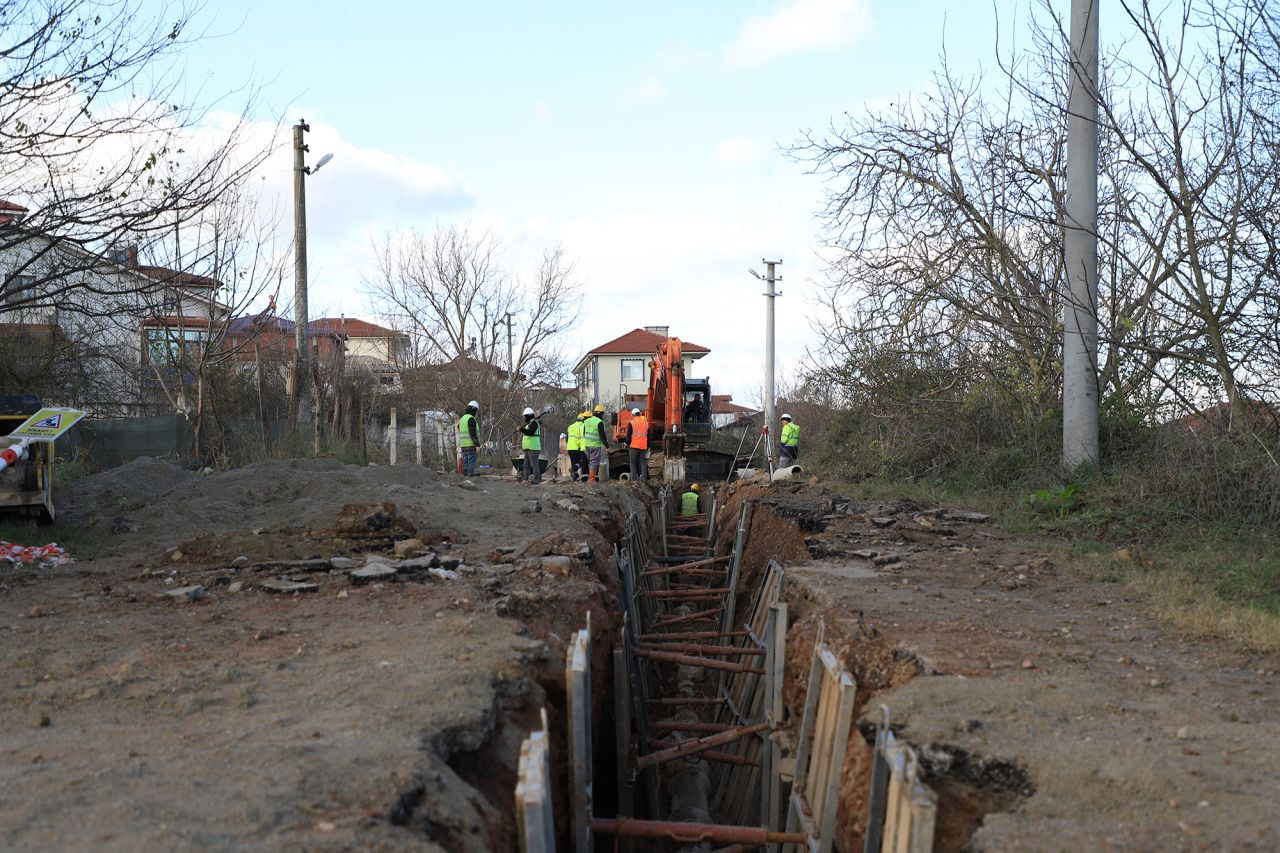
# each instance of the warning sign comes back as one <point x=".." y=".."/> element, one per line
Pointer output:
<point x="47" y="424"/>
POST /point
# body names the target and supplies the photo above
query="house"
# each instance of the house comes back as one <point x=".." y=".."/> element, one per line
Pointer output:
<point x="272" y="337"/>
<point x="128" y="326"/>
<point x="617" y="371"/>
<point x="726" y="413"/>
<point x="367" y="343"/>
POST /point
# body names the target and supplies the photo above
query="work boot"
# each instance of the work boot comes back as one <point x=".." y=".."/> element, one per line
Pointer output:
<point x="591" y="478"/>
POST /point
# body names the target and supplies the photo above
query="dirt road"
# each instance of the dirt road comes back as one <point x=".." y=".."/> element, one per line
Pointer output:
<point x="385" y="715"/>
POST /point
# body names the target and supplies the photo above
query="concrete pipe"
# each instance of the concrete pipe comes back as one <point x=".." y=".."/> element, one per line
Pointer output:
<point x="787" y="472"/>
<point x="624" y="476"/>
<point x="745" y="473"/>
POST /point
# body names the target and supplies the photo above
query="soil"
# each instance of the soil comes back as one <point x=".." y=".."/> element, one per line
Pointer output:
<point x="1049" y="710"/>
<point x="386" y="715"/>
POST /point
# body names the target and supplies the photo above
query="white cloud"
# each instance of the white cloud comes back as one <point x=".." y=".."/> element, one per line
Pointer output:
<point x="740" y="150"/>
<point x="798" y="26"/>
<point x="542" y="113"/>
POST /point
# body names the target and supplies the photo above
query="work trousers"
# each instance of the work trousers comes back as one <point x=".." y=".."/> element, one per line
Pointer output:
<point x="532" y="467"/>
<point x="594" y="455"/>
<point x="787" y="454"/>
<point x="468" y="461"/>
<point x="639" y="460"/>
<point x="578" y="464"/>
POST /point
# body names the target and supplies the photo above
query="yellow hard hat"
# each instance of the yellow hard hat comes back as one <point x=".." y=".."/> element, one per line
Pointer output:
<point x="695" y="487"/>
<point x="599" y="410"/>
<point x="582" y="416"/>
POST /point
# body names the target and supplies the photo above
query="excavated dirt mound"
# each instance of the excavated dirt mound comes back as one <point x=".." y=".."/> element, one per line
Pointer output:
<point x="140" y="713"/>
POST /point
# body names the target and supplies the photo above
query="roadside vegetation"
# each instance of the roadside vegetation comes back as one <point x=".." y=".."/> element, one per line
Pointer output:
<point x="938" y="367"/>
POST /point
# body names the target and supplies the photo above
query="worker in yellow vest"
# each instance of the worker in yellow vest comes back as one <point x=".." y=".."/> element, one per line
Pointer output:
<point x="594" y="442"/>
<point x="689" y="501"/>
<point x="574" y="446"/>
<point x="638" y="445"/>
<point x="531" y="444"/>
<point x="469" y="438"/>
<point x="789" y="442"/>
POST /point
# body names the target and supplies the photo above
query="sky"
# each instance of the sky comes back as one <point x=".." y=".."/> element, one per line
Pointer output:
<point x="646" y="141"/>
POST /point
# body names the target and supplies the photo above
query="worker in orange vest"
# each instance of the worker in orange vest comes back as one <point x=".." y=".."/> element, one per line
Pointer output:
<point x="638" y="445"/>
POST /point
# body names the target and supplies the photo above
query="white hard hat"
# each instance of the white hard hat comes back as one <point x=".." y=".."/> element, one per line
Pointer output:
<point x="528" y="410"/>
<point x="635" y="411"/>
<point x="786" y="417"/>
<point x="473" y="404"/>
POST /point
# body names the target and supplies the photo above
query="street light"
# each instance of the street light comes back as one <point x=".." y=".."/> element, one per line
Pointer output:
<point x="300" y="172"/>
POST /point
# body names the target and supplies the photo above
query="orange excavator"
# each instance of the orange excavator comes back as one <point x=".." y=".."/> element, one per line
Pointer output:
<point x="679" y="414"/>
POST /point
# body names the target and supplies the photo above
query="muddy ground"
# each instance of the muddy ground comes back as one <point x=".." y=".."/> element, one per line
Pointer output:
<point x="384" y="715"/>
<point x="1051" y="712"/>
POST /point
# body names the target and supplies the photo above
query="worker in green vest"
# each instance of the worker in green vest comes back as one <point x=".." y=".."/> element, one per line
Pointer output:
<point x="469" y="438"/>
<point x="689" y="501"/>
<point x="574" y="445"/>
<point x="790" y="442"/>
<point x="531" y="444"/>
<point x="594" y="442"/>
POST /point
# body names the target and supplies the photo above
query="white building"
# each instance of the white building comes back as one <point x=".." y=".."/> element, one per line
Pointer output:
<point x="617" y="372"/>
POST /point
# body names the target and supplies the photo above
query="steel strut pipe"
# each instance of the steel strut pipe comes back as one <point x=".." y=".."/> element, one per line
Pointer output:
<point x="706" y="663"/>
<point x="688" y="635"/>
<point x="700" y="616"/>
<point x="714" y="651"/>
<point x="710" y="754"/>
<point x="693" y="747"/>
<point x="705" y="728"/>
<point x="692" y="833"/>
<point x="702" y="592"/>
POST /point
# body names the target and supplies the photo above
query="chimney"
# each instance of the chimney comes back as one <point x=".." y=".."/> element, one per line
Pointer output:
<point x="131" y="256"/>
<point x="664" y="331"/>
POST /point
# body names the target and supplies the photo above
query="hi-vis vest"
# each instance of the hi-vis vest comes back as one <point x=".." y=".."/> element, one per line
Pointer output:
<point x="464" y="430"/>
<point x="689" y="503"/>
<point x="639" y="433"/>
<point x="591" y="432"/>
<point x="574" y="433"/>
<point x="790" y="435"/>
<point x="533" y="442"/>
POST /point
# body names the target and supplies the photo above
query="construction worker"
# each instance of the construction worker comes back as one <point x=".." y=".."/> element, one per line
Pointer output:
<point x="689" y="501"/>
<point x="574" y="446"/>
<point x="789" y="442"/>
<point x="638" y="445"/>
<point x="531" y="444"/>
<point x="594" y="442"/>
<point x="469" y="438"/>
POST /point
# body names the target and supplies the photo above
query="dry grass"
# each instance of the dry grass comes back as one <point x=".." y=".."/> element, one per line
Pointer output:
<point x="1194" y="608"/>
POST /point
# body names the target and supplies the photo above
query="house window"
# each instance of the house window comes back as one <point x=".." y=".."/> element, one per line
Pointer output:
<point x="167" y="345"/>
<point x="19" y="286"/>
<point x="633" y="368"/>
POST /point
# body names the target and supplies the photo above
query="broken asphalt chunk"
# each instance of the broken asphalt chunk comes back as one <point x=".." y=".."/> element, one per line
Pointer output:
<point x="287" y="586"/>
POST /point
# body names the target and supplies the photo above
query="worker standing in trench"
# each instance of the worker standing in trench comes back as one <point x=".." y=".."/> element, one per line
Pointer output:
<point x="594" y="441"/>
<point x="689" y="500"/>
<point x="469" y="438"/>
<point x="638" y="445"/>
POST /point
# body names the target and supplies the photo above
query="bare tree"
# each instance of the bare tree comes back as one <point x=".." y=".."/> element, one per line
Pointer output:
<point x="100" y="145"/>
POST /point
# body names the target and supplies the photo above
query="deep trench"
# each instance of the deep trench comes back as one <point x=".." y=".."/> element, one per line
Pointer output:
<point x="969" y="787"/>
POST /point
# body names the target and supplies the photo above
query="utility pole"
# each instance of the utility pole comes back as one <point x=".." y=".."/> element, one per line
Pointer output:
<point x="770" y="278"/>
<point x="300" y="172"/>
<point x="1080" y="312"/>
<point x="511" y="362"/>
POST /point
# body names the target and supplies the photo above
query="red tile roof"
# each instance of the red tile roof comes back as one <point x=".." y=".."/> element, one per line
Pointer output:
<point x="642" y="342"/>
<point x="353" y="328"/>
<point x="8" y="205"/>
<point x="722" y="404"/>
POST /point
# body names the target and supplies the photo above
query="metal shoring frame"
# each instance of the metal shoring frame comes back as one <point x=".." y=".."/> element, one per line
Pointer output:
<point x="535" y="810"/>
<point x="578" y="685"/>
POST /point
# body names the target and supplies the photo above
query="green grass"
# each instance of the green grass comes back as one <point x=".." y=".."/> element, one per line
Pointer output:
<point x="76" y="540"/>
<point x="1211" y="579"/>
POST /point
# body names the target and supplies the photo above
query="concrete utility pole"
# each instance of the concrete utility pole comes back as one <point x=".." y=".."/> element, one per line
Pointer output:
<point x="511" y="362"/>
<point x="770" y="278"/>
<point x="299" y="262"/>
<point x="1080" y="313"/>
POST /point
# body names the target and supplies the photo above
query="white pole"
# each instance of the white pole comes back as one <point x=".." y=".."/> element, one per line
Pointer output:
<point x="393" y="434"/>
<point x="1080" y="313"/>
<point x="769" y="395"/>
<point x="417" y="435"/>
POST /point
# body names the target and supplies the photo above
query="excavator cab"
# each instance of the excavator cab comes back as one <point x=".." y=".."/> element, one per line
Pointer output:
<point x="697" y="412"/>
<point x="25" y="487"/>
